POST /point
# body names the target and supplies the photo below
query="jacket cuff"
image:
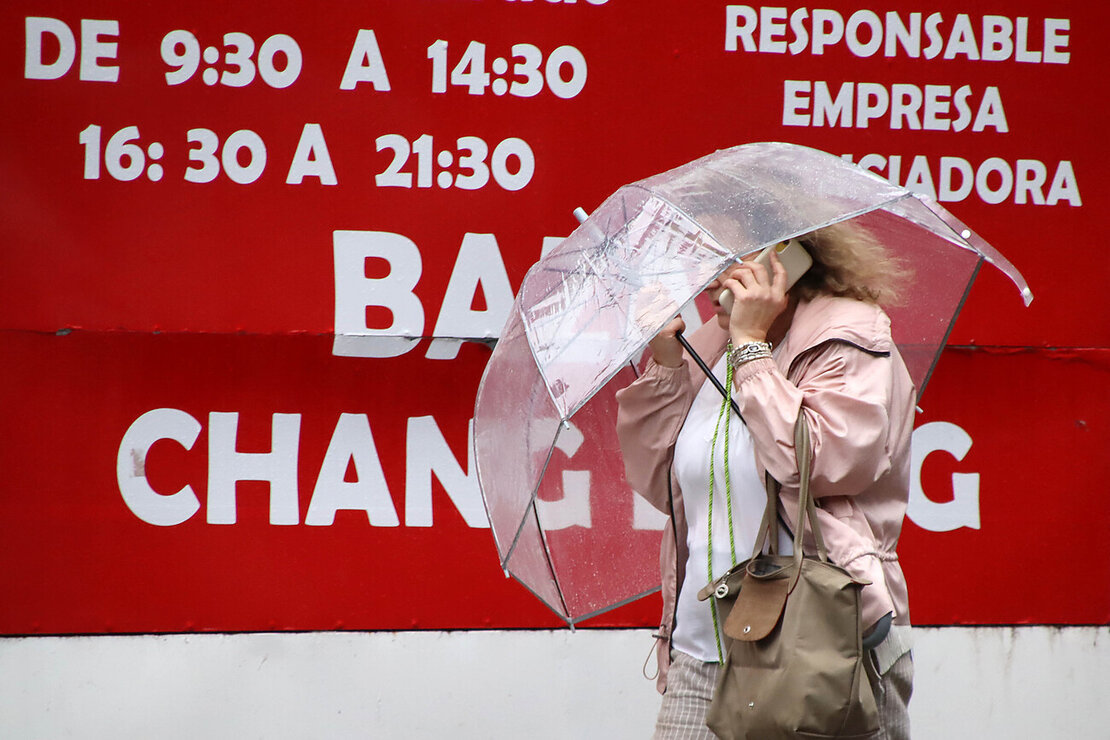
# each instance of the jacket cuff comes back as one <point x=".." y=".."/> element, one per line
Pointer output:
<point x="665" y="374"/>
<point x="751" y="369"/>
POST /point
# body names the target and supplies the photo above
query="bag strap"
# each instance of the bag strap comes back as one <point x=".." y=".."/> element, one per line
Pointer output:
<point x="768" y="532"/>
<point x="803" y="451"/>
<point x="768" y="528"/>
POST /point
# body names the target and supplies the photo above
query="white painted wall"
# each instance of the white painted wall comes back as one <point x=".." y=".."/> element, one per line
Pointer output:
<point x="983" y="683"/>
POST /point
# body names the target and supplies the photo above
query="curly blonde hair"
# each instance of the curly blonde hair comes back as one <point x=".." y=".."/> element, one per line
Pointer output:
<point x="849" y="261"/>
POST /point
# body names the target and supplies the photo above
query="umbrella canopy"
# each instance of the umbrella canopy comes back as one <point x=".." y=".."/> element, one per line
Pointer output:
<point x="564" y="520"/>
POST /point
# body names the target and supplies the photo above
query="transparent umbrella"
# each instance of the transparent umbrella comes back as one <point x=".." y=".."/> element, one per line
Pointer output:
<point x="565" y="522"/>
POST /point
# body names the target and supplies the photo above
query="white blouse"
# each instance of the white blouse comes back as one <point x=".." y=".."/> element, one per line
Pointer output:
<point x="693" y="630"/>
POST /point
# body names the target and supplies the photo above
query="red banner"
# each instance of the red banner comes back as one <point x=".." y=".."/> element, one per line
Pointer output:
<point x="217" y="221"/>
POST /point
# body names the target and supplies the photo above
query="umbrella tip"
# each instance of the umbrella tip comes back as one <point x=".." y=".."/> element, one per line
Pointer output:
<point x="580" y="214"/>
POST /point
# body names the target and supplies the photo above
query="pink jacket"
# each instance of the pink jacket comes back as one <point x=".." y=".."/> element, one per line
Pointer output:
<point x="839" y="364"/>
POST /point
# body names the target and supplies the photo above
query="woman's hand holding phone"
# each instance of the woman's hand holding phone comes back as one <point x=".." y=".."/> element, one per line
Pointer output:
<point x="758" y="299"/>
<point x="755" y="291"/>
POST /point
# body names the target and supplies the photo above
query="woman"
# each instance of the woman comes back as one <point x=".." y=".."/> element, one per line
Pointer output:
<point x="834" y="360"/>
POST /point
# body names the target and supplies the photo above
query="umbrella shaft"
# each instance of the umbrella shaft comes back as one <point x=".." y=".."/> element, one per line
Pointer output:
<point x="708" y="373"/>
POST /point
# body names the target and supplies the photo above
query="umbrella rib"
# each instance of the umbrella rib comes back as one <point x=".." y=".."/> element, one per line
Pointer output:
<point x="588" y="261"/>
<point x="951" y="325"/>
<point x="609" y="292"/>
<point x="531" y="511"/>
<point x="615" y="605"/>
<point x="550" y="560"/>
<point x="531" y="501"/>
<point x="565" y="617"/>
<point x="969" y="240"/>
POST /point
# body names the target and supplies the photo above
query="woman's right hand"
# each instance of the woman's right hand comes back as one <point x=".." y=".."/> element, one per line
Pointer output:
<point x="759" y="297"/>
<point x="665" y="348"/>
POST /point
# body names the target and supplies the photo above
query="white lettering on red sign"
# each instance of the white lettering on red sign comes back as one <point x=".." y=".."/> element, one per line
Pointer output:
<point x="928" y="107"/>
<point x="994" y="180"/>
<point x="365" y="63"/>
<point x="93" y="50"/>
<point x="160" y="509"/>
<point x="864" y="33"/>
<point x="427" y="454"/>
<point x="351" y="444"/>
<point x="963" y="509"/>
<point x="354" y="293"/>
<point x="479" y="265"/>
<point x="311" y="158"/>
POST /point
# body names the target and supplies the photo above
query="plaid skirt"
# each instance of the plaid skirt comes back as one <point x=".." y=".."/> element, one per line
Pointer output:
<point x="690" y="686"/>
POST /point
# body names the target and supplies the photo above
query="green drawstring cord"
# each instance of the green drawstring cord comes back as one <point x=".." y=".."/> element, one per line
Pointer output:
<point x="728" y="495"/>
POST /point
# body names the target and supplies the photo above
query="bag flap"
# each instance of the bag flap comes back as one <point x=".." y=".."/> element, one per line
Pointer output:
<point x="759" y="605"/>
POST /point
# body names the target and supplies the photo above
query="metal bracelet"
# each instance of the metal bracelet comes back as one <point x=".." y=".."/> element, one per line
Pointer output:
<point x="747" y="352"/>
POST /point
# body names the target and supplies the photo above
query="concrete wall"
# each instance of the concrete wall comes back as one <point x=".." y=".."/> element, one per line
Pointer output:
<point x="1028" y="682"/>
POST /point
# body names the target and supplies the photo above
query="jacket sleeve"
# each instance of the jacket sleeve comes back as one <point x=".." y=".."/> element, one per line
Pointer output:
<point x="845" y="393"/>
<point x="650" y="414"/>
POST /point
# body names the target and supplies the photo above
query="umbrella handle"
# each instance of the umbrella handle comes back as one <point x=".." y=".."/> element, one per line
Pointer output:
<point x="708" y="373"/>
